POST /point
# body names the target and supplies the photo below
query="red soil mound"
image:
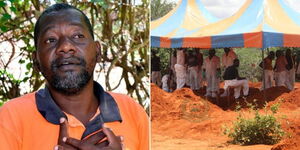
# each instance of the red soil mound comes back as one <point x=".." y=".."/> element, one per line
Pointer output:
<point x="291" y="143"/>
<point x="261" y="97"/>
<point x="182" y="114"/>
<point x="289" y="101"/>
<point x="187" y="114"/>
<point x="182" y="103"/>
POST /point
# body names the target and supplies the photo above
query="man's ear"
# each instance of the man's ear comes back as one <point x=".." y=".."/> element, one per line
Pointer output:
<point x="98" y="54"/>
<point x="36" y="64"/>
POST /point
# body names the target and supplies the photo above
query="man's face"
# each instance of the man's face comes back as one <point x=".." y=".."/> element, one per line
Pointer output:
<point x="211" y="52"/>
<point x="66" y="52"/>
<point x="272" y="56"/>
<point x="236" y="63"/>
<point x="226" y="50"/>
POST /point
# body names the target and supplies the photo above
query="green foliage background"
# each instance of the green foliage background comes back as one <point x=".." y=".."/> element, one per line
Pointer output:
<point x="121" y="26"/>
<point x="160" y="7"/>
<point x="249" y="59"/>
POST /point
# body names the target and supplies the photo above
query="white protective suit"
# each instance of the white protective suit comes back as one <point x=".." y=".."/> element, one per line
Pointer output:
<point x="237" y="84"/>
<point x="211" y="66"/>
<point x="193" y="78"/>
<point x="290" y="80"/>
<point x="180" y="75"/>
<point x="164" y="81"/>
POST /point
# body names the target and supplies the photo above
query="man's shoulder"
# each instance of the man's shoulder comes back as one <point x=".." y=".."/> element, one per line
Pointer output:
<point x="22" y="101"/>
<point x="20" y="106"/>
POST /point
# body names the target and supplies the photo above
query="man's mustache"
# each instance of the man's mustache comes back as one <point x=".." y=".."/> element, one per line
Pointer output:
<point x="67" y="61"/>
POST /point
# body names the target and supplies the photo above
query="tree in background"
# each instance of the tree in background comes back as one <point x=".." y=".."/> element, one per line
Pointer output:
<point x="121" y="26"/>
<point x="249" y="59"/>
<point x="160" y="7"/>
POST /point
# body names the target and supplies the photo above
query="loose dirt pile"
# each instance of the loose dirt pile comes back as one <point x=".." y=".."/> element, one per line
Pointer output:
<point x="260" y="98"/>
<point x="185" y="114"/>
<point x="292" y="143"/>
<point x="289" y="101"/>
<point x="180" y="104"/>
<point x="182" y="114"/>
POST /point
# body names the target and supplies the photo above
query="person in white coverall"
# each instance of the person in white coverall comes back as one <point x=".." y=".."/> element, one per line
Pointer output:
<point x="266" y="65"/>
<point x="232" y="78"/>
<point x="193" y="69"/>
<point x="164" y="82"/>
<point x="180" y="69"/>
<point x="290" y="73"/>
<point x="228" y="57"/>
<point x="200" y="63"/>
<point x="280" y="69"/>
<point x="212" y="71"/>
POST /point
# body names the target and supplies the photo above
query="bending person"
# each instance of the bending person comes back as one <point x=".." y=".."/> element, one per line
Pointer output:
<point x="232" y="79"/>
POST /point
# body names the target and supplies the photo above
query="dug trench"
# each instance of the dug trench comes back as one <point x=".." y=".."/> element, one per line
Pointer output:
<point x="185" y="119"/>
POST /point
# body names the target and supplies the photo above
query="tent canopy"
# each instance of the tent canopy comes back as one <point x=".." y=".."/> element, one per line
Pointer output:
<point x="258" y="23"/>
<point x="186" y="18"/>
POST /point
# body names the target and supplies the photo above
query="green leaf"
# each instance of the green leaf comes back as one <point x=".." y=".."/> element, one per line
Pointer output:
<point x="5" y="17"/>
<point x="2" y="4"/>
<point x="25" y="79"/>
<point x="21" y="61"/>
<point x="12" y="8"/>
<point x="97" y="1"/>
<point x="3" y="28"/>
<point x="12" y="1"/>
<point x="29" y="66"/>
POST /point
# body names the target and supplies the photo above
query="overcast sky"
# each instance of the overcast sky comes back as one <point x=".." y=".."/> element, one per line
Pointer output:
<point x="225" y="8"/>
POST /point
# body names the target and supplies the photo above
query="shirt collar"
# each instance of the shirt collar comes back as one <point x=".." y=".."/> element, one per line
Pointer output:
<point x="109" y="110"/>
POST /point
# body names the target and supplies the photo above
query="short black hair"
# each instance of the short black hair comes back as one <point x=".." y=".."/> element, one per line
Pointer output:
<point x="55" y="8"/>
<point x="227" y="48"/>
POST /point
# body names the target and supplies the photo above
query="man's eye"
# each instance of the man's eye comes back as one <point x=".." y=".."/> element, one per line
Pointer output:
<point x="77" y="36"/>
<point x="50" y="40"/>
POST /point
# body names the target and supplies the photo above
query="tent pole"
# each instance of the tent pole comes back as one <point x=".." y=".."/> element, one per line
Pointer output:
<point x="263" y="74"/>
<point x="169" y="68"/>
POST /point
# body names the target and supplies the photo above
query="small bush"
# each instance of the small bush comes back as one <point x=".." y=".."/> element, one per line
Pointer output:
<point x="262" y="129"/>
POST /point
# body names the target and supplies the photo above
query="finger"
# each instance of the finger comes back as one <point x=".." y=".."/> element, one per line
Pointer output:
<point x="121" y="138"/>
<point x="63" y="129"/>
<point x="73" y="142"/>
<point x="67" y="147"/>
<point x="96" y="138"/>
<point x="103" y="144"/>
<point x="112" y="138"/>
<point x="58" y="147"/>
<point x="114" y="141"/>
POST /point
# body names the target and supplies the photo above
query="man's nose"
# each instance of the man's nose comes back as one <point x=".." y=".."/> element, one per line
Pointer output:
<point x="65" y="46"/>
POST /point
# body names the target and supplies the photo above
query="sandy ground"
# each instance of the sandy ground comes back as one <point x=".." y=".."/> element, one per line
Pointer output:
<point x="186" y="120"/>
<point x="161" y="142"/>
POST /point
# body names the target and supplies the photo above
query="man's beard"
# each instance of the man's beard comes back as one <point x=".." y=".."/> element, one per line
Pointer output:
<point x="71" y="82"/>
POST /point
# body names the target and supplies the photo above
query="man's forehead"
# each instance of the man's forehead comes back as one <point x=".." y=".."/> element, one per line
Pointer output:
<point x="57" y="18"/>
